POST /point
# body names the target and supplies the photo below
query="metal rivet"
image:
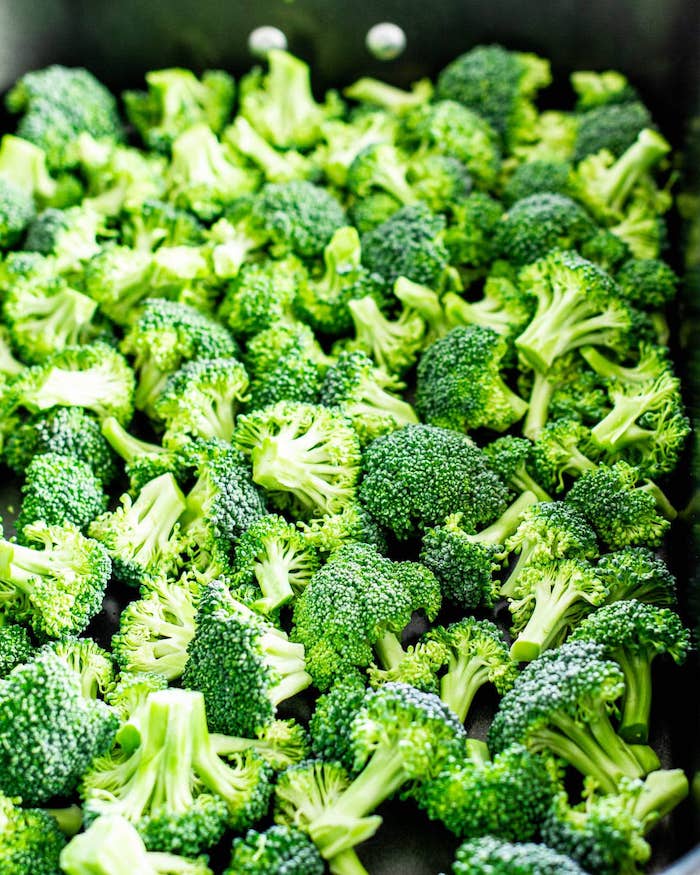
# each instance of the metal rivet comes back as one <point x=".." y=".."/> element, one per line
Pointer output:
<point x="262" y="39"/>
<point x="385" y="41"/>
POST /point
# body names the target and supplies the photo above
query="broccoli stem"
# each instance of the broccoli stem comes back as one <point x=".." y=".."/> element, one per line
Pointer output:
<point x="507" y="523"/>
<point x="641" y="156"/>
<point x="523" y="481"/>
<point x="478" y="751"/>
<point x="373" y="399"/>
<point x="272" y="575"/>
<point x="538" y="409"/>
<point x="221" y="417"/>
<point x="151" y="382"/>
<point x="461" y="683"/>
<point x="663" y="504"/>
<point x="70" y="820"/>
<point x="546" y="622"/>
<point x="90" y="388"/>
<point x="619" y="428"/>
<point x="126" y="445"/>
<point x="663" y="790"/>
<point x="347" y="863"/>
<point x="155" y="512"/>
<point x="636" y="706"/>
<point x="389" y="651"/>
<point x="287" y="661"/>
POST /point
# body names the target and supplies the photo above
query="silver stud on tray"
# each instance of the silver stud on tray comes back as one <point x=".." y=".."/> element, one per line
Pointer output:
<point x="385" y="41"/>
<point x="263" y="39"/>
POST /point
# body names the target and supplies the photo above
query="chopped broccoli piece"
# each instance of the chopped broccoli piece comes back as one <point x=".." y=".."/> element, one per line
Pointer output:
<point x="471" y="235"/>
<point x="31" y="840"/>
<point x="15" y="646"/>
<point x="388" y="97"/>
<point x="637" y="573"/>
<point x="393" y="344"/>
<point x="647" y="282"/>
<point x="612" y="126"/>
<point x="91" y="663"/>
<point x="492" y="856"/>
<point x="279" y="849"/>
<point x="16" y="212"/>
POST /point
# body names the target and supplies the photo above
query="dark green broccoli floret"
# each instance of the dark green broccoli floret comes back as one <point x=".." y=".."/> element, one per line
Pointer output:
<point x="59" y="103"/>
<point x="306" y="457"/>
<point x="647" y="282"/>
<point x="173" y="786"/>
<point x="606" y="250"/>
<point x="562" y="703"/>
<point x="31" y="839"/>
<point x="637" y="573"/>
<point x="56" y="582"/>
<point x="59" y="490"/>
<point x="68" y="235"/>
<point x="498" y="85"/>
<point x="460" y="384"/>
<point x="279" y="849"/>
<point x="492" y="856"/>
<point x="355" y="608"/>
<point x="42" y="709"/>
<point x="155" y="223"/>
<point x="613" y="127"/>
<point x="65" y="431"/>
<point x="16" y="212"/>
<point x="353" y="524"/>
<point x="418" y="475"/>
<point x="511" y="458"/>
<point x="15" y="646"/>
<point x="540" y="177"/>
<point x="331" y="721"/>
<point x="381" y="166"/>
<point x="634" y="634"/>
<point x="244" y="666"/>
<point x="539" y="224"/>
<point x="408" y="244"/>
<point x="261" y="295"/>
<point x="562" y="447"/>
<point x="298" y="216"/>
<point x="506" y="797"/>
<point x="471" y="235"/>
<point x="369" y="212"/>
<point x="176" y="100"/>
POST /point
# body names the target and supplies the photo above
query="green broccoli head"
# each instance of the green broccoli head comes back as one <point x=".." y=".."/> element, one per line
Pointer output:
<point x="497" y="857"/>
<point x="261" y="295"/>
<point x="637" y="573"/>
<point x="647" y="282"/>
<point x="471" y="234"/>
<point x="612" y="126"/>
<point x="15" y="646"/>
<point x="278" y="849"/>
<point x="540" y="177"/>
<point x="92" y="664"/>
<point x="331" y="721"/>
<point x="16" y="212"/>
<point x="30" y="839"/>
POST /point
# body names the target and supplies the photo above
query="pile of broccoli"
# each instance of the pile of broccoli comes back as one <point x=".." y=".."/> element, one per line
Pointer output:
<point x="355" y="412"/>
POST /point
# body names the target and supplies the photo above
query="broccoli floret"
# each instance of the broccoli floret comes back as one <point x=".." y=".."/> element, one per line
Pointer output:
<point x="393" y="344"/>
<point x="118" y="279"/>
<point x="634" y="634"/>
<point x="353" y="524"/>
<point x="471" y="235"/>
<point x="498" y="85"/>
<point x="111" y="846"/>
<point x="163" y="336"/>
<point x="244" y="666"/>
<point x="59" y="103"/>
<point x="417" y="476"/>
<point x="506" y="797"/>
<point x="389" y="97"/>
<point x="563" y="447"/>
<point x="276" y="166"/>
<point x="600" y="89"/>
<point x="16" y="212"/>
<point x="612" y="126"/>
<point x="203" y="176"/>
<point x="331" y="722"/>
<point x="497" y="857"/>
<point x="279" y="104"/>
<point x="622" y="512"/>
<point x="539" y="224"/>
<point x="175" y="101"/>
<point x="637" y="573"/>
<point x="642" y="229"/>
<point x="356" y="607"/>
<point x="9" y="365"/>
<point x="562" y="703"/>
<point x="31" y="840"/>
<point x="60" y="490"/>
<point x="279" y="849"/>
<point x="130" y="690"/>
<point x="155" y="223"/>
<point x="298" y="216"/>
<point x="399" y="736"/>
<point x="606" y="250"/>
<point x="511" y="458"/>
<point x="367" y="395"/>
<point x="23" y="164"/>
<point x="504" y="308"/>
<point x="42" y="709"/>
<point x="306" y="457"/>
<point x="15" y="646"/>
<point x="408" y="244"/>
<point x="275" y="555"/>
<point x="155" y="630"/>
<point x="647" y="282"/>
<point x="369" y="212"/>
<point x="91" y="663"/>
<point x="202" y="400"/>
<point x="128" y="447"/>
<point x="64" y="431"/>
<point x="460" y="384"/>
<point x="95" y="377"/>
<point x="381" y="166"/>
<point x="322" y="302"/>
<point x="173" y="786"/>
<point x="70" y="236"/>
<point x="449" y="128"/>
<point x="231" y="240"/>
<point x="56" y="582"/>
<point x="261" y="296"/>
<point x="540" y="177"/>
<point x="141" y="535"/>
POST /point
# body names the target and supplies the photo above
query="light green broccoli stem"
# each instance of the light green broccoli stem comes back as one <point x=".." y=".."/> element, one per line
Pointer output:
<point x="22" y="568"/>
<point x="155" y="512"/>
<point x="272" y="575"/>
<point x="126" y="445"/>
<point x="461" y="683"/>
<point x="375" y="400"/>
<point x="425" y="302"/>
<point x="662" y="791"/>
<point x="507" y="523"/>
<point x="538" y="409"/>
<point x="478" y="751"/>
<point x="347" y="863"/>
<point x="8" y="363"/>
<point x="486" y="313"/>
<point x="248" y="141"/>
<point x="636" y="705"/>
<point x="92" y="388"/>
<point x="70" y="820"/>
<point x="619" y="428"/>
<point x="662" y="503"/>
<point x="341" y="257"/>
<point x="389" y="651"/>
<point x="287" y="661"/>
<point x="642" y="155"/>
<point x="391" y="176"/>
<point x="396" y="100"/>
<point x="151" y="383"/>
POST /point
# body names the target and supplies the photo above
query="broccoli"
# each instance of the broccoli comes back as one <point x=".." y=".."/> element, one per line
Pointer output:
<point x="16" y="212"/>
<point x="355" y="608"/>
<point x="203" y="177"/>
<point x="637" y="573"/>
<point x="261" y="296"/>
<point x="562" y="447"/>
<point x="154" y="223"/>
<point x="15" y="646"/>
<point x="561" y="703"/>
<point x="417" y="476"/>
<point x="498" y="85"/>
<point x="173" y="786"/>
<point x="60" y="490"/>
<point x="298" y="216"/>
<point x="42" y="709"/>
<point x="539" y="224"/>
<point x="95" y="377"/>
<point x="608" y="251"/>
<point x="448" y="128"/>
<point x="57" y="104"/>
<point x="331" y="722"/>
<point x="496" y="857"/>
<point x="90" y="662"/>
<point x="31" y="840"/>
<point x="279" y="849"/>
<point x="129" y="692"/>
<point x="231" y="240"/>
<point x="388" y="97"/>
<point x="155" y="630"/>
<point x="420" y="300"/>
<point x="275" y="165"/>
<point x="409" y="243"/>
<point x="56" y="582"/>
<point x="642" y="229"/>
<point x="504" y="308"/>
<point x="633" y="634"/>
<point x="541" y="177"/>
<point x="175" y="101"/>
<point x="202" y="399"/>
<point x="647" y="282"/>
<point x="128" y="447"/>
<point x="601" y="89"/>
<point x="612" y="126"/>
<point x="471" y="236"/>
<point x="353" y="524"/>
<point x="460" y="385"/>
<point x="306" y="457"/>
<point x="393" y="344"/>
<point x="343" y="141"/>
<point x="70" y="236"/>
<point x="280" y="105"/>
<point x="111" y="846"/>
<point x="163" y="336"/>
<point x="507" y="796"/>
<point x="118" y="279"/>
<point x="369" y="212"/>
<point x="9" y="365"/>
<point x="23" y="164"/>
<point x="276" y="555"/>
<point x="63" y="431"/>
<point x="243" y="665"/>
<point x="367" y="395"/>
<point x="511" y="458"/>
<point x="381" y="166"/>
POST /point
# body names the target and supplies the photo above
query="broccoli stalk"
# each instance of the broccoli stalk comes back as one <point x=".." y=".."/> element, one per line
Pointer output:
<point x="126" y="445"/>
<point x="393" y="344"/>
<point x="389" y="97"/>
